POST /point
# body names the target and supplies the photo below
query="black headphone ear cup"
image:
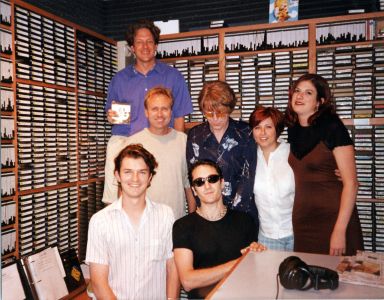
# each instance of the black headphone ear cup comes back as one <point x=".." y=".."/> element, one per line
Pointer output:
<point x="324" y="278"/>
<point x="294" y="274"/>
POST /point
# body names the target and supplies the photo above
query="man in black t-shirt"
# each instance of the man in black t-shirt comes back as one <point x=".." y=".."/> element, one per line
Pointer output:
<point x="208" y="242"/>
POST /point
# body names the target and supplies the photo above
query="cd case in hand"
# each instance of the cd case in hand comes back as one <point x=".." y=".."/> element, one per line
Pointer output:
<point x="123" y="111"/>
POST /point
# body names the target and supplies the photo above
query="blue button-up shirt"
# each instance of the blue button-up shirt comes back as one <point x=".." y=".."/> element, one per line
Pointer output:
<point x="130" y="86"/>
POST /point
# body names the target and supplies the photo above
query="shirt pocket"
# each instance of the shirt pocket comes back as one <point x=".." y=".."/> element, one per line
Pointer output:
<point x="156" y="249"/>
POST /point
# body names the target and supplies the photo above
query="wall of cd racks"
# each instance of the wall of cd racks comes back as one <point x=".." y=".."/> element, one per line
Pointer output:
<point x="53" y="128"/>
<point x="261" y="61"/>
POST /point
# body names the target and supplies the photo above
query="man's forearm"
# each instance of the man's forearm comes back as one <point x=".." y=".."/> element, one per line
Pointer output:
<point x="173" y="282"/>
<point x="102" y="290"/>
<point x="203" y="277"/>
<point x="99" y="282"/>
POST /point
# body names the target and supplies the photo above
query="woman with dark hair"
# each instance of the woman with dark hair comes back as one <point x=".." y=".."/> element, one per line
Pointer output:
<point x="325" y="218"/>
<point x="274" y="187"/>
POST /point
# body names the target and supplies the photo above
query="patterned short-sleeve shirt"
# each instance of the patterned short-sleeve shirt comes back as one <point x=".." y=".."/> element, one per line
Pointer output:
<point x="236" y="156"/>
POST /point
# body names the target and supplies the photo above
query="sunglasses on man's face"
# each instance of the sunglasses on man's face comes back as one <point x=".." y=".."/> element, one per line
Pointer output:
<point x="217" y="114"/>
<point x="211" y="179"/>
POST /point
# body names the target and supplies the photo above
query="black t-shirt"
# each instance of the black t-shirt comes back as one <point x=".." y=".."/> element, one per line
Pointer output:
<point x="327" y="128"/>
<point x="213" y="242"/>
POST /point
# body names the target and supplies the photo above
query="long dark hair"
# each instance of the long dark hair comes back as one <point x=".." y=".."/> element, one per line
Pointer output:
<point x="324" y="98"/>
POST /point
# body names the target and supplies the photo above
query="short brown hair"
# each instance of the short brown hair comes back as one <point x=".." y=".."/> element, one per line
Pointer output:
<point x="158" y="90"/>
<point x="261" y="113"/>
<point x="215" y="94"/>
<point x="133" y="28"/>
<point x="136" y="151"/>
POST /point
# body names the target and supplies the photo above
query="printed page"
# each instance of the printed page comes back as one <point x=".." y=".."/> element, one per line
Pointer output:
<point x="47" y="275"/>
<point x="12" y="288"/>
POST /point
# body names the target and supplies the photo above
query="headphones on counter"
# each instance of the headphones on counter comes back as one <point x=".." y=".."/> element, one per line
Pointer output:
<point x="294" y="274"/>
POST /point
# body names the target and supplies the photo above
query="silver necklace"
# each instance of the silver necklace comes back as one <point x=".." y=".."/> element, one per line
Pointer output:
<point x="219" y="215"/>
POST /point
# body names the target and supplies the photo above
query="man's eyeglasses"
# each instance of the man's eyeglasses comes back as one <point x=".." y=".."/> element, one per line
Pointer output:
<point x="211" y="179"/>
<point x="218" y="114"/>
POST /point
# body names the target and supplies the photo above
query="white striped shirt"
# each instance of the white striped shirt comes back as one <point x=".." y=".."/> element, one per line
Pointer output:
<point x="136" y="258"/>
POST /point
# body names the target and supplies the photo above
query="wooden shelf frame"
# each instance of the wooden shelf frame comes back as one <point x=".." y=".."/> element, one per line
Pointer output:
<point x="266" y="26"/>
<point x="12" y="86"/>
<point x="6" y="227"/>
<point x="75" y="90"/>
<point x="7" y="113"/>
<point x="311" y="25"/>
<point x="8" y="170"/>
<point x="312" y="48"/>
<point x="47" y="85"/>
<point x="9" y="255"/>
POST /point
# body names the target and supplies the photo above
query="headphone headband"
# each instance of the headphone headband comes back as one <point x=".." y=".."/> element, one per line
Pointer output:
<point x="294" y="274"/>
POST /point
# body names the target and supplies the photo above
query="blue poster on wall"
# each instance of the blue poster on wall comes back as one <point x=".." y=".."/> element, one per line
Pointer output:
<point x="283" y="10"/>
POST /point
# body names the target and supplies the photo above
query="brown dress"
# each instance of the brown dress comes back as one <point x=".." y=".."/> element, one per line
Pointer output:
<point x="318" y="191"/>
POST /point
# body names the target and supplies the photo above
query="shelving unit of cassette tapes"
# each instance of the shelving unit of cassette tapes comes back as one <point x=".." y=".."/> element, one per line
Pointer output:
<point x="261" y="61"/>
<point x="8" y="136"/>
<point x="53" y="128"/>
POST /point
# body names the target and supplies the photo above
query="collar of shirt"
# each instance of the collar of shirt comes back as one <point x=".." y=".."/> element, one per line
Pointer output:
<point x="281" y="147"/>
<point x="158" y="68"/>
<point x="118" y="206"/>
<point x="163" y="138"/>
<point x="210" y="137"/>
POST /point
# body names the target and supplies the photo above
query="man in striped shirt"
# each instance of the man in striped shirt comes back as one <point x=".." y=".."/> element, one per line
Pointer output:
<point x="130" y="241"/>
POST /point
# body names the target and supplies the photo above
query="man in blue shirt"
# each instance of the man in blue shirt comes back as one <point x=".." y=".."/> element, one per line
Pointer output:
<point x="132" y="83"/>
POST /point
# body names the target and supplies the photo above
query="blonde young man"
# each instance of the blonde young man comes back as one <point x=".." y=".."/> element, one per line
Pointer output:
<point x="171" y="185"/>
<point x="129" y="245"/>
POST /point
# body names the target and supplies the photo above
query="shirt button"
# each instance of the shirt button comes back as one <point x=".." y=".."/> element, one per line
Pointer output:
<point x="145" y="89"/>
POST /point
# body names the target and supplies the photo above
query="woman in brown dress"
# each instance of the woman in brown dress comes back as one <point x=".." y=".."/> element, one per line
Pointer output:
<point x="325" y="218"/>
